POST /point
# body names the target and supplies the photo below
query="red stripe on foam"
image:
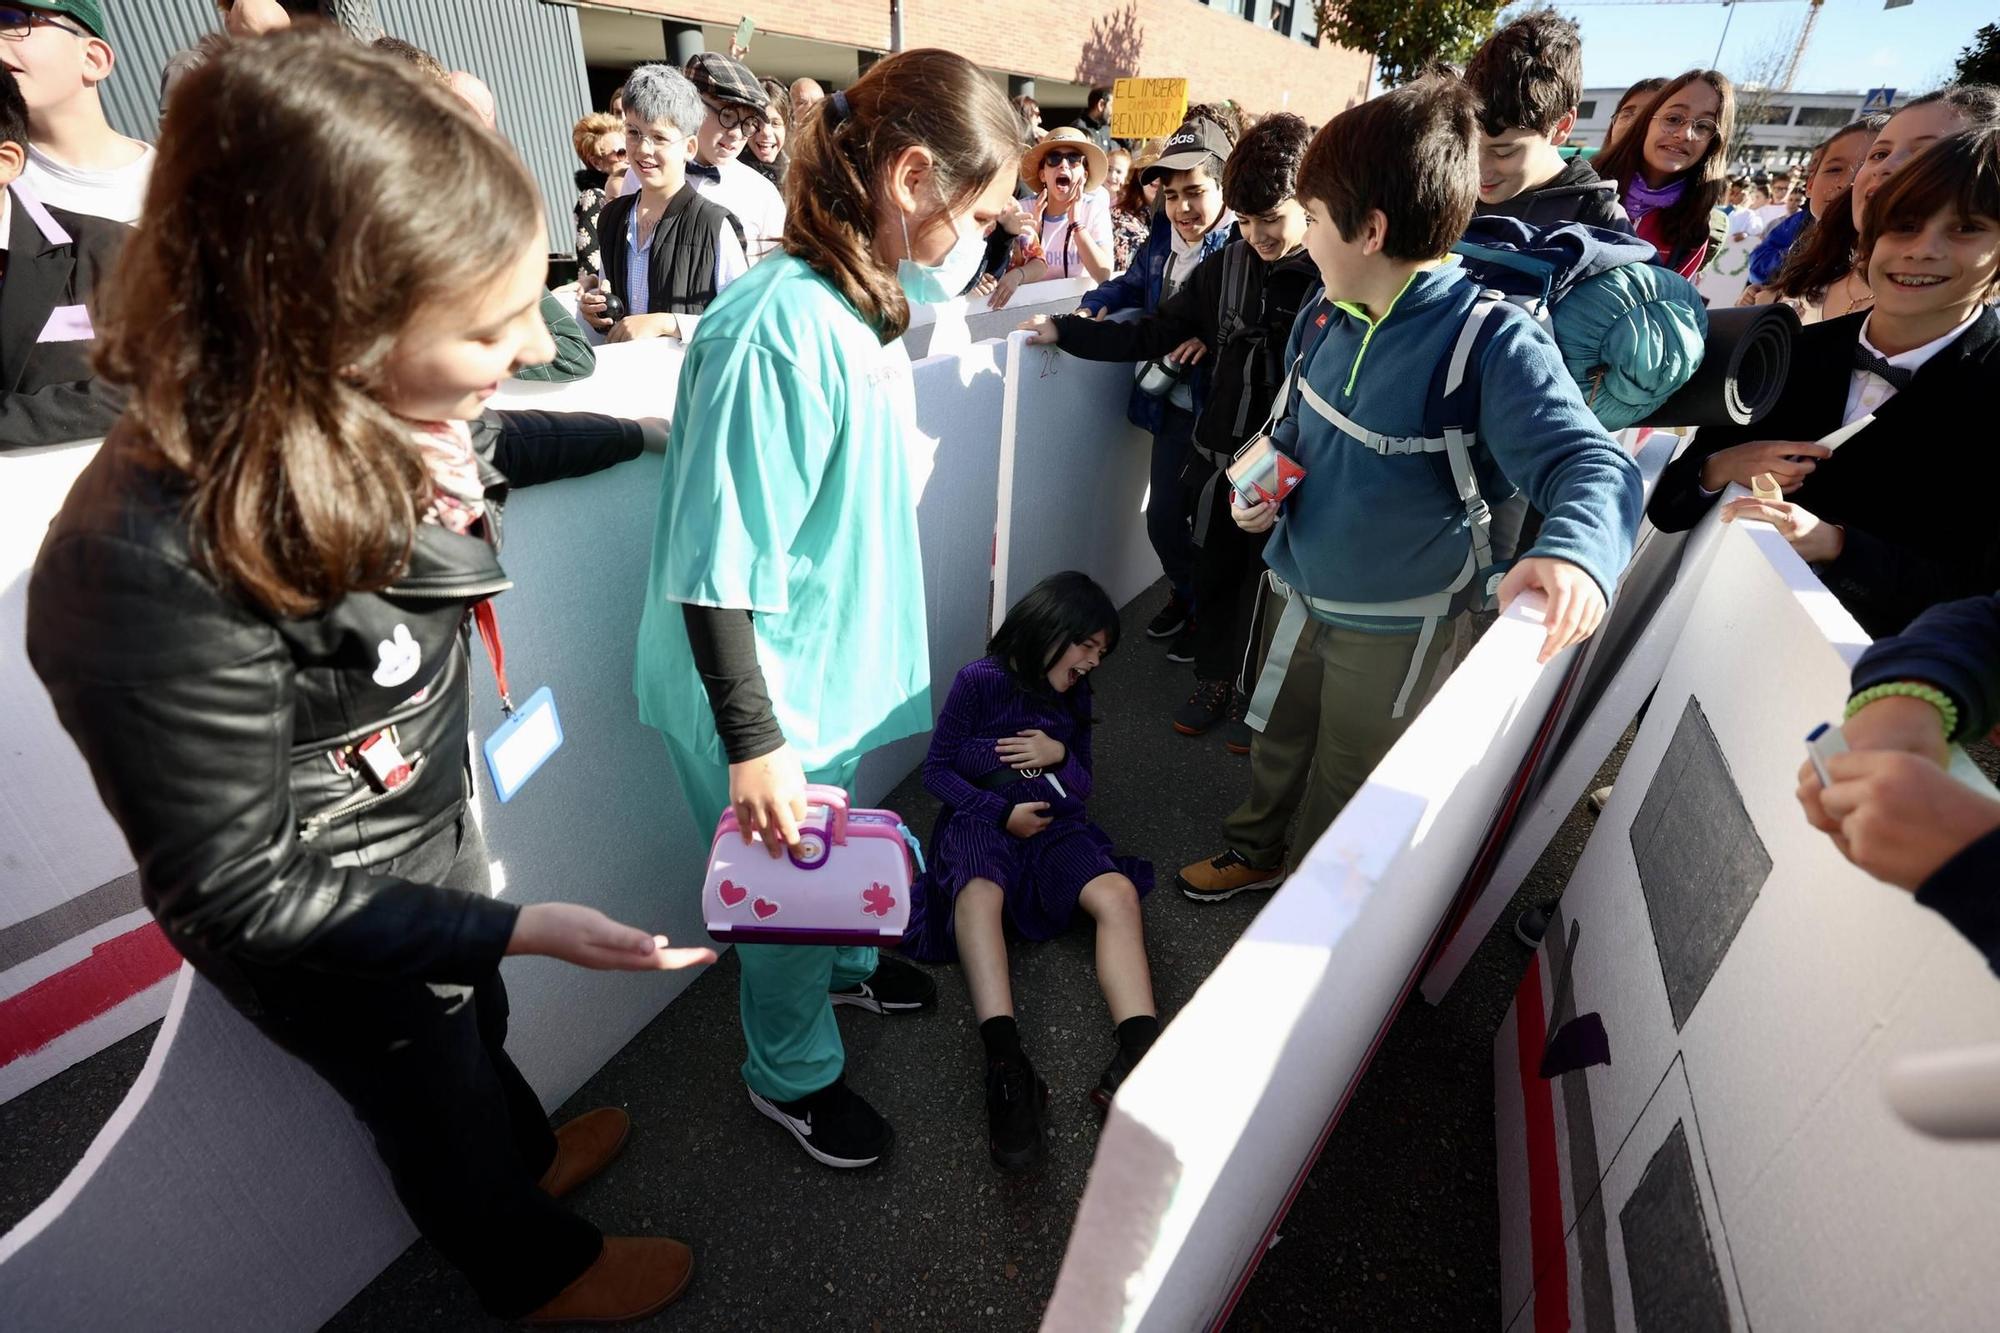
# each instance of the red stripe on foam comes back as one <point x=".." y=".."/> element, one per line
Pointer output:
<point x="115" y="971"/>
<point x="1545" y="1209"/>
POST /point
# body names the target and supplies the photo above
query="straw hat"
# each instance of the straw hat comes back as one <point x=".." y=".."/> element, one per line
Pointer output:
<point x="1095" y="163"/>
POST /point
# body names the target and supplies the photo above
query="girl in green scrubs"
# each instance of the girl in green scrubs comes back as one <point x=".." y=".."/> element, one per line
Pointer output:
<point x="783" y="634"/>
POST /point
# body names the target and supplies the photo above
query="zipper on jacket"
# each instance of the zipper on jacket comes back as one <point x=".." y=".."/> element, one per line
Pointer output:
<point x="1354" y="371"/>
<point x="460" y="591"/>
<point x="357" y="803"/>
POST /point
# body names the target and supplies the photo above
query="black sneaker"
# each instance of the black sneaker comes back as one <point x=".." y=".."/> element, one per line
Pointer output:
<point x="1113" y="1078"/>
<point x="1236" y="733"/>
<point x="1173" y="618"/>
<point x="1208" y="705"/>
<point x="894" y="987"/>
<point x="834" y="1125"/>
<point x="1530" y="926"/>
<point x="1016" y="1101"/>
<point x="1182" y="648"/>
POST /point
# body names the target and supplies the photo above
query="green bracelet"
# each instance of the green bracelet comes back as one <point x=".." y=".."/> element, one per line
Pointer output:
<point x="1909" y="689"/>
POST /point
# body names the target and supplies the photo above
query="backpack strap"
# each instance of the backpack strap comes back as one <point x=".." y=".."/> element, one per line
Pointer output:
<point x="1459" y="411"/>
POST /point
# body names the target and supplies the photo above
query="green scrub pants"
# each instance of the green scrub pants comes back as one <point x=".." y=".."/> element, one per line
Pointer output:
<point x="788" y="1024"/>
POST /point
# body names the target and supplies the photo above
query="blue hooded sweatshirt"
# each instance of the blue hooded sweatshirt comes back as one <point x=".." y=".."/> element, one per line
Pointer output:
<point x="1138" y="288"/>
<point x="1363" y="527"/>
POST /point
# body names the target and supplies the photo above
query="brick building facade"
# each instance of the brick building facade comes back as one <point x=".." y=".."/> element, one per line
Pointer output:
<point x="1261" y="53"/>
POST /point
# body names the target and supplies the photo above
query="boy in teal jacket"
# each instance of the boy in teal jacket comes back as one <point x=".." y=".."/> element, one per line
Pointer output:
<point x="1418" y="406"/>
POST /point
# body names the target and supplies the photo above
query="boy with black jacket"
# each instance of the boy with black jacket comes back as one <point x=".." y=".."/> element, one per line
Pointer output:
<point x="1528" y="77"/>
<point x="1240" y="305"/>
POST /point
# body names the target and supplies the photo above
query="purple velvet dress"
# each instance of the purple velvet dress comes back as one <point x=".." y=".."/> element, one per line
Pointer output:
<point x="1042" y="876"/>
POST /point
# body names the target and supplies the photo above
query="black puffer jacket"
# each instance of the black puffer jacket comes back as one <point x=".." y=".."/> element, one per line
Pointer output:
<point x="212" y="727"/>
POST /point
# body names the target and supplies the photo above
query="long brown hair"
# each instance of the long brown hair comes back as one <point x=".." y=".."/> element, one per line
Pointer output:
<point x="293" y="228"/>
<point x="928" y="98"/>
<point x="1823" y="253"/>
<point x="1685" y="221"/>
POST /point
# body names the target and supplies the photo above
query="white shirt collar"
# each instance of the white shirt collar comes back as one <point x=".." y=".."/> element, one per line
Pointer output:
<point x="6" y="217"/>
<point x="1916" y="356"/>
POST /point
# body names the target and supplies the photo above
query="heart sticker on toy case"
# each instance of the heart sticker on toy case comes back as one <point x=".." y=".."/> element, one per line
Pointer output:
<point x="732" y="894"/>
<point x="763" y="909"/>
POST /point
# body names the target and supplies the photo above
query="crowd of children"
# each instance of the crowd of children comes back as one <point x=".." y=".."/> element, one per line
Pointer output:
<point x="1294" y="290"/>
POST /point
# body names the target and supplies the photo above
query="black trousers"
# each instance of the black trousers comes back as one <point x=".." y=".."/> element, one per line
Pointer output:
<point x="1227" y="565"/>
<point x="423" y="1065"/>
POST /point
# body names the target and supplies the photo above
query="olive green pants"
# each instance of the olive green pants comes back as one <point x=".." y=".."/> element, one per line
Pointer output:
<point x="1328" y="729"/>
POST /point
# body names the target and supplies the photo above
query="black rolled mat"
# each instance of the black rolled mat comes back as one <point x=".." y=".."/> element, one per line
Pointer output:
<point x="1743" y="370"/>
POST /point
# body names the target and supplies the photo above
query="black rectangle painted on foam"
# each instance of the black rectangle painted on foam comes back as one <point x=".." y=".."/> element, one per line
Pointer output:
<point x="1676" y="1283"/>
<point x="1701" y="863"/>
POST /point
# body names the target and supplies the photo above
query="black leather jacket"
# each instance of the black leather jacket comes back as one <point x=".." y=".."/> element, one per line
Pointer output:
<point x="212" y="727"/>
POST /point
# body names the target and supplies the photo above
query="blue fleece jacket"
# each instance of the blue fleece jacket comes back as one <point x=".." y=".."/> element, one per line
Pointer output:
<point x="1367" y="528"/>
<point x="1769" y="256"/>
<point x="1138" y="288"/>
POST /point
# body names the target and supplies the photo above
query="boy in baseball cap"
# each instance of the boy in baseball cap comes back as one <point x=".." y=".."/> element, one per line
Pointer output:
<point x="59" y="52"/>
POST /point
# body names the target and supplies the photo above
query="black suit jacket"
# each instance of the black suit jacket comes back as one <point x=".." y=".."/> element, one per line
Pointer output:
<point x="1915" y="490"/>
<point x="48" y="393"/>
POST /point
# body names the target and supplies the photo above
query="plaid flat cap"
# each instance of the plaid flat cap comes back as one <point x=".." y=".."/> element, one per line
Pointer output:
<point x="721" y="79"/>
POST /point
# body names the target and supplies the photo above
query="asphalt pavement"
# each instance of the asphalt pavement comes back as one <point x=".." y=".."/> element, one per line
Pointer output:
<point x="1395" y="1228"/>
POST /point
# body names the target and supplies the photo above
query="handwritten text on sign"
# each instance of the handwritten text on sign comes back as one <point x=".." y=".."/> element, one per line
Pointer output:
<point x="1147" y="108"/>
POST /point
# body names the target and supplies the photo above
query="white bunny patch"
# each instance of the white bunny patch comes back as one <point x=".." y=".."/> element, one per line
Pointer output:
<point x="400" y="655"/>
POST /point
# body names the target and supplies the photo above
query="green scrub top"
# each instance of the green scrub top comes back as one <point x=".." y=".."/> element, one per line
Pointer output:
<point x="790" y="490"/>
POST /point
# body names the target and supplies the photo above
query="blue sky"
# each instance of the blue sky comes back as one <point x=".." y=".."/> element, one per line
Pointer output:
<point x="1856" y="44"/>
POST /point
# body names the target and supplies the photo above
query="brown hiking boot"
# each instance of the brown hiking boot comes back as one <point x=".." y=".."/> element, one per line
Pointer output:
<point x="635" y="1276"/>
<point x="1225" y="876"/>
<point x="584" y="1147"/>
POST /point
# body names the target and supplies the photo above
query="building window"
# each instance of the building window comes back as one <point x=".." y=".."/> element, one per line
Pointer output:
<point x="1229" y="6"/>
<point x="1770" y="115"/>
<point x="1585" y="110"/>
<point x="1281" y="16"/>
<point x="1825" y="117"/>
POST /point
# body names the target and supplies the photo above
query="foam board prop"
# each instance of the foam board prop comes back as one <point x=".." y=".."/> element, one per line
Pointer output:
<point x="1210" y="1137"/>
<point x="81" y="964"/>
<point x="229" y="1191"/>
<point x="956" y="325"/>
<point x="958" y="423"/>
<point x="1735" y="1163"/>
<point x="635" y="379"/>
<point x="1743" y="368"/>
<point x="1621" y="665"/>
<point x="1073" y="477"/>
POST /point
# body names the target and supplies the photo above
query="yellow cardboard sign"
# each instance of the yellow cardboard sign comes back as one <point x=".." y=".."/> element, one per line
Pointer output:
<point x="1147" y="108"/>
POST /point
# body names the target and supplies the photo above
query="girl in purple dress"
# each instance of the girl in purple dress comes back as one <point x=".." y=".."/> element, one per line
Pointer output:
<point x="1010" y="759"/>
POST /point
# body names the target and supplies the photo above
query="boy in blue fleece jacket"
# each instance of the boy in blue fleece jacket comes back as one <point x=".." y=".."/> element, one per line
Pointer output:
<point x="1378" y="551"/>
<point x="1893" y="809"/>
<point x="1191" y="225"/>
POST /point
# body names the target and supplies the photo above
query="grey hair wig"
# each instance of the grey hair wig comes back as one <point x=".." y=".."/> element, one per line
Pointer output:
<point x="657" y="92"/>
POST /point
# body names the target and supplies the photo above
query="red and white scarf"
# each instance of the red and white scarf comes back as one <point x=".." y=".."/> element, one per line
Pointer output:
<point x="458" y="496"/>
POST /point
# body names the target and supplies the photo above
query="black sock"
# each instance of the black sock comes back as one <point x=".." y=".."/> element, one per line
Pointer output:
<point x="1002" y="1038"/>
<point x="1136" y="1035"/>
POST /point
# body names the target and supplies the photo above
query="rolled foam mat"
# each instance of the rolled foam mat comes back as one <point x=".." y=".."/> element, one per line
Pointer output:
<point x="1743" y="370"/>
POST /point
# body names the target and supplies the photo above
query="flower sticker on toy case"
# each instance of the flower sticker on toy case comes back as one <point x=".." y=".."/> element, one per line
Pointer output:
<point x="878" y="900"/>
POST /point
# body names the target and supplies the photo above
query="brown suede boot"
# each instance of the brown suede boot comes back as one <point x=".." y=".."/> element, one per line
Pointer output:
<point x="584" y="1147"/>
<point x="635" y="1276"/>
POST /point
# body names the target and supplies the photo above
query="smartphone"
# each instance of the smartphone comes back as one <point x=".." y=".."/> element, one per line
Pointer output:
<point x="1823" y="742"/>
<point x="744" y="32"/>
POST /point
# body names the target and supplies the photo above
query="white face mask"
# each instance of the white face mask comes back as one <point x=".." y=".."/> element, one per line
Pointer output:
<point x="934" y="284"/>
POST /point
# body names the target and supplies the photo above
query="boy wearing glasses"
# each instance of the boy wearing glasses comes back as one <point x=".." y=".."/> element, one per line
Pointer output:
<point x="59" y="51"/>
<point x="736" y="103"/>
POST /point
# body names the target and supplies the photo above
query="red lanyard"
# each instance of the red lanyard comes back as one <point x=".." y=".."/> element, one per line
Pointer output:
<point x="496" y="652"/>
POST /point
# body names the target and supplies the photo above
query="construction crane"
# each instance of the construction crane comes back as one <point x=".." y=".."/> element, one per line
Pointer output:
<point x="1798" y="47"/>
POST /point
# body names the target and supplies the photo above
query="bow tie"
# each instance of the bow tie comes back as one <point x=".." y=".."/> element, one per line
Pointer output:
<point x="1897" y="377"/>
<point x="707" y="173"/>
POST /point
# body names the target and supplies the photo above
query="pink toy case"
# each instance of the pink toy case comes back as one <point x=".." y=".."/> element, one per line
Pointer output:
<point x="848" y="883"/>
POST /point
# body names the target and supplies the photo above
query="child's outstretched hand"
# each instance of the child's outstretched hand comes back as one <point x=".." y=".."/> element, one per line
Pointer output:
<point x="1576" y="603"/>
<point x="1031" y="749"/>
<point x="1041" y="330"/>
<point x="1028" y="819"/>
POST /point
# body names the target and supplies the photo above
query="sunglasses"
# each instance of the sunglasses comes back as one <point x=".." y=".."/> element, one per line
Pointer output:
<point x="17" y="23"/>
<point x="1063" y="160"/>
